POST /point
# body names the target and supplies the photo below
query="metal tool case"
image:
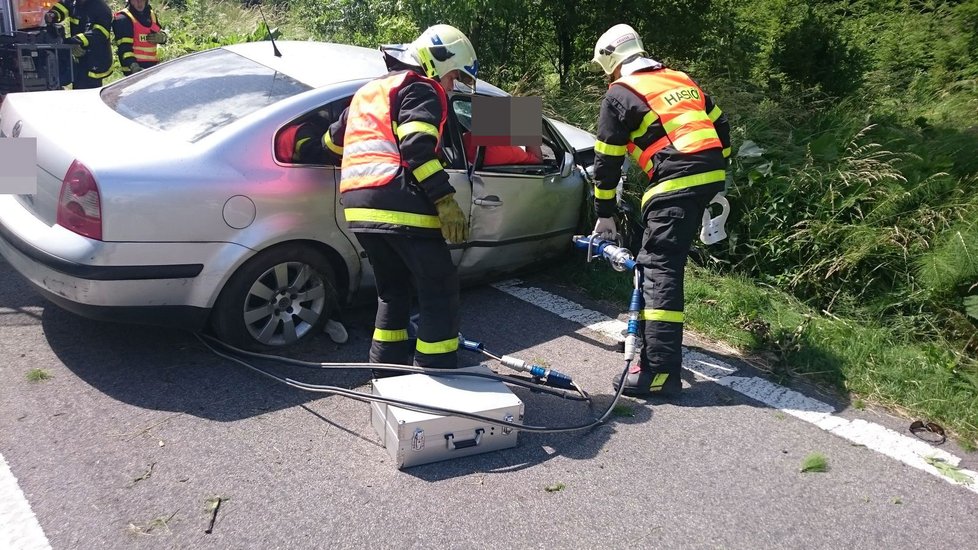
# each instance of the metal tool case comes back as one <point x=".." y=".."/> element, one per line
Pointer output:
<point x="412" y="438"/>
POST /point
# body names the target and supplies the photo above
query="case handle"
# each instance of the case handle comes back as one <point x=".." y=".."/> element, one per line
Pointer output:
<point x="474" y="442"/>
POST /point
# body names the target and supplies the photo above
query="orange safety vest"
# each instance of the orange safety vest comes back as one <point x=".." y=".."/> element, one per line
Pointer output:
<point x="371" y="156"/>
<point x="144" y="51"/>
<point x="680" y="106"/>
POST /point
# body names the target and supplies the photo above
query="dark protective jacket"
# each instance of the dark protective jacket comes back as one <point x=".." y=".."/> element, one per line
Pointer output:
<point x="392" y="173"/>
<point x="671" y="129"/>
<point x="89" y="26"/>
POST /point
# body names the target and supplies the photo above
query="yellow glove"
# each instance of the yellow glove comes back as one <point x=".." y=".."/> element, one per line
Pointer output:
<point x="453" y="226"/>
<point x="77" y="51"/>
<point x="156" y="38"/>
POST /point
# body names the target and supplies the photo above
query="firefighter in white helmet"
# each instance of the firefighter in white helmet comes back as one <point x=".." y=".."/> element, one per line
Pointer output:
<point x="677" y="135"/>
<point x="396" y="195"/>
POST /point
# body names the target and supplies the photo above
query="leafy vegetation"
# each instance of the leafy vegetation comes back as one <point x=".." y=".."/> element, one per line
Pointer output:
<point x="852" y="252"/>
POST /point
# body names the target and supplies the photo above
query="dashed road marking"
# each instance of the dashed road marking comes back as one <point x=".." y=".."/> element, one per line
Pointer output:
<point x="910" y="451"/>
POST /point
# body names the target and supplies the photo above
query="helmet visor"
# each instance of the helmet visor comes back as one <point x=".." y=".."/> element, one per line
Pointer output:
<point x="467" y="81"/>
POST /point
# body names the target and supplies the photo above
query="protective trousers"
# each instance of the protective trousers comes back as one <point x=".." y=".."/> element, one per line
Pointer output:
<point x="403" y="264"/>
<point x="670" y="227"/>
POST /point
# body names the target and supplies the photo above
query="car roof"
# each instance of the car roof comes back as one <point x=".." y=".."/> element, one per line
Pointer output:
<point x="320" y="64"/>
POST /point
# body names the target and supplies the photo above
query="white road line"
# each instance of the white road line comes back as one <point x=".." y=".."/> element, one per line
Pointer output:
<point x="911" y="451"/>
<point x="19" y="529"/>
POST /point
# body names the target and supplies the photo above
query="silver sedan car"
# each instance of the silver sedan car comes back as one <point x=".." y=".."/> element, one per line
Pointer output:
<point x="172" y="197"/>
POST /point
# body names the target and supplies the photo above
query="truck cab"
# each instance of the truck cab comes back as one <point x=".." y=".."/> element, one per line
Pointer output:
<point x="32" y="55"/>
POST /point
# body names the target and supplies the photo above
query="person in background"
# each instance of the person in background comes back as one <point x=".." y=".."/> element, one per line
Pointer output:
<point x="89" y="24"/>
<point x="137" y="34"/>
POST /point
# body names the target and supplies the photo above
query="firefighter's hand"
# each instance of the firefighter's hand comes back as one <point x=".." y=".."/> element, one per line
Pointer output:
<point x="156" y="38"/>
<point x="605" y="228"/>
<point x="453" y="226"/>
<point x="77" y="50"/>
<point x="134" y="68"/>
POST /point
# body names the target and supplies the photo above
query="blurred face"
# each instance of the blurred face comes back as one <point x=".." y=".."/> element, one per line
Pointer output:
<point x="139" y="5"/>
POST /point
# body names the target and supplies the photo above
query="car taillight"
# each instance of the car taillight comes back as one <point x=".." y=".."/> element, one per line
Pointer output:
<point x="80" y="206"/>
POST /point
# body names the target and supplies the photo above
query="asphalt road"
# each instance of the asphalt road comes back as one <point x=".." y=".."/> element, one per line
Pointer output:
<point x="139" y="427"/>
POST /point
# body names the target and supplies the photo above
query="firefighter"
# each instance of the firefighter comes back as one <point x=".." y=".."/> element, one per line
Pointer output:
<point x="397" y="198"/>
<point x="89" y="24"/>
<point x="678" y="136"/>
<point x="137" y="35"/>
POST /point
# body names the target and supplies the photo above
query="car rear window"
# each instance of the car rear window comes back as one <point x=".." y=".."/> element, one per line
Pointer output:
<point x="196" y="95"/>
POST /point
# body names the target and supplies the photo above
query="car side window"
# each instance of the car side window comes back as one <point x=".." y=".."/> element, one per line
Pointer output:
<point x="509" y="159"/>
<point x="300" y="142"/>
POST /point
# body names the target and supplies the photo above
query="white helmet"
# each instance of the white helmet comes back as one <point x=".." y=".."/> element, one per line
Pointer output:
<point x="617" y="45"/>
<point x="441" y="49"/>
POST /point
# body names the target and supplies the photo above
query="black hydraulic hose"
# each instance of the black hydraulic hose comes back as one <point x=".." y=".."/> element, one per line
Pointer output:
<point x="393" y="367"/>
<point x="367" y="397"/>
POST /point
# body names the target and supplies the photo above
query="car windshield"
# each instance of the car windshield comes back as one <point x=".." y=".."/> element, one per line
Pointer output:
<point x="196" y="95"/>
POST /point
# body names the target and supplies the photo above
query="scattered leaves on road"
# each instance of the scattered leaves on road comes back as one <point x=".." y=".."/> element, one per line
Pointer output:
<point x="815" y="462"/>
<point x="38" y="375"/>
<point x="153" y="526"/>
<point x="145" y="475"/>
<point x="555" y="488"/>
<point x="949" y="470"/>
<point x="213" y="505"/>
<point x="897" y="500"/>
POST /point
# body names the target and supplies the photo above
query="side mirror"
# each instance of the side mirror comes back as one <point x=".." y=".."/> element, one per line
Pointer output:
<point x="567" y="166"/>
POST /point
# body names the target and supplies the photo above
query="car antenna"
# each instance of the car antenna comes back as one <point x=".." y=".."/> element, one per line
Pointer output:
<point x="269" y="29"/>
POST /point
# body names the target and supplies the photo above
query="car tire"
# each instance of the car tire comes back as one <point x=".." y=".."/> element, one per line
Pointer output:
<point x="276" y="299"/>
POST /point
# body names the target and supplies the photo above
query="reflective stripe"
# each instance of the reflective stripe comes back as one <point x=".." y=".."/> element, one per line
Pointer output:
<point x="415" y="127"/>
<point x="434" y="348"/>
<point x="685" y="118"/>
<point x="298" y="148"/>
<point x="74" y="20"/>
<point x="387" y="335"/>
<point x="104" y="30"/>
<point x="683" y="182"/>
<point x="603" y="194"/>
<point x="391" y="217"/>
<point x="83" y="39"/>
<point x="610" y="150"/>
<point x="123" y="41"/>
<point x="94" y="74"/>
<point x="659" y="380"/>
<point x="662" y="315"/>
<point x="370" y="146"/>
<point x="328" y="142"/>
<point x="715" y="113"/>
<point x="62" y="9"/>
<point x="127" y="55"/>
<point x="686" y="140"/>
<point x="726" y="152"/>
<point x="647" y="121"/>
<point x="369" y="169"/>
<point x="427" y="170"/>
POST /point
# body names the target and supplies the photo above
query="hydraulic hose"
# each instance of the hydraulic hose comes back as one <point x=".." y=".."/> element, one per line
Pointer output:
<point x="418" y="407"/>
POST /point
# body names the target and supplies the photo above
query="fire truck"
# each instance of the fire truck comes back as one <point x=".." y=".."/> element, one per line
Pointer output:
<point x="32" y="54"/>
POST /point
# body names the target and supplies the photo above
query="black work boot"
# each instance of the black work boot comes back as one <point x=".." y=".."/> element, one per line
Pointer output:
<point x="642" y="383"/>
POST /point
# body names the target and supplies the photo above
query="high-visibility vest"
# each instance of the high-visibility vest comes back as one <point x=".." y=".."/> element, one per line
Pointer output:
<point x="371" y="155"/>
<point x="144" y="51"/>
<point x="680" y="106"/>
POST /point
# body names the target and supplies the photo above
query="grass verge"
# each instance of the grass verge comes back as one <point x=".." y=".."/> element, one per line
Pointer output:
<point x="918" y="378"/>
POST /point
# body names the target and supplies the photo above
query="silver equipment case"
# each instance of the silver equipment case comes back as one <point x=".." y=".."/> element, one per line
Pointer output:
<point x="412" y="438"/>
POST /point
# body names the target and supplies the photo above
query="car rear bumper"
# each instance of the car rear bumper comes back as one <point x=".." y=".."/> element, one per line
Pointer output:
<point x="129" y="289"/>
